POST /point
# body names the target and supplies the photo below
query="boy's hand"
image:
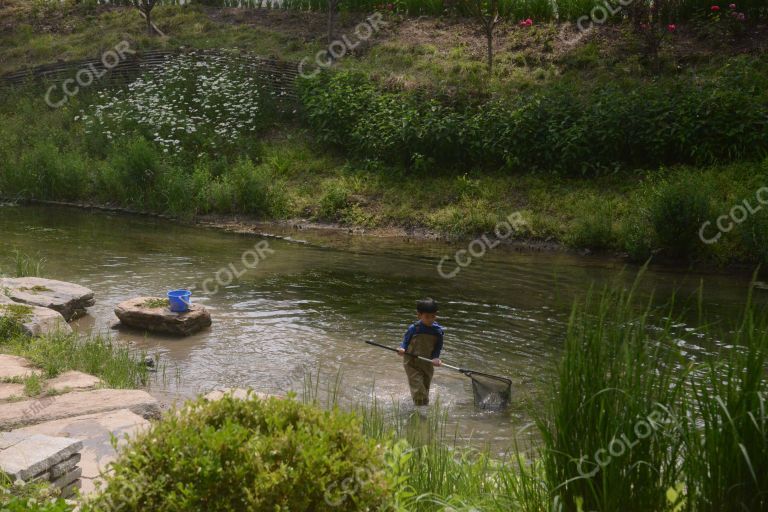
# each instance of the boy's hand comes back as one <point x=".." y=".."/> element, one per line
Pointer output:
<point x="437" y="362"/>
<point x="400" y="351"/>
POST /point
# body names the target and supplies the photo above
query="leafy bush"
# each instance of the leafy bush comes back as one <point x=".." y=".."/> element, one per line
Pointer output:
<point x="33" y="505"/>
<point x="253" y="454"/>
<point x="677" y="210"/>
<point x="565" y="127"/>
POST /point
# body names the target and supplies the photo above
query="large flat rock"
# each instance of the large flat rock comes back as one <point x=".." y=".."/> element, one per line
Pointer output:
<point x="34" y="320"/>
<point x="30" y="412"/>
<point x="95" y="431"/>
<point x="24" y="457"/>
<point x="72" y="380"/>
<point x="15" y="367"/>
<point x="71" y="300"/>
<point x="138" y="314"/>
<point x="9" y="390"/>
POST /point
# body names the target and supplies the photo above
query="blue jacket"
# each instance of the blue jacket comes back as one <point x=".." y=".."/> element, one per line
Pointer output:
<point x="419" y="328"/>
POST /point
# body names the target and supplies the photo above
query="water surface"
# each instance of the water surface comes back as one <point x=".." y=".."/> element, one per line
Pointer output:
<point x="309" y="306"/>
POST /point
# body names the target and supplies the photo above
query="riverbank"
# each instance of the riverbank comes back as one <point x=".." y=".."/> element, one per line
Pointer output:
<point x="560" y="146"/>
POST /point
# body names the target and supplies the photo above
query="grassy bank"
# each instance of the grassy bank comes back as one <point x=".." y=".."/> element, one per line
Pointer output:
<point x="598" y="142"/>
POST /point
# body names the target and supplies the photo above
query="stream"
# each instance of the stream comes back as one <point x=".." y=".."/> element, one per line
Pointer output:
<point x="309" y="303"/>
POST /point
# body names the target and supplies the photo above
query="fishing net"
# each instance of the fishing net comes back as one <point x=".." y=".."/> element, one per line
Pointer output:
<point x="490" y="392"/>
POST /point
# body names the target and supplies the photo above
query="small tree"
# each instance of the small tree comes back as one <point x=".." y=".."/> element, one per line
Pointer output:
<point x="145" y="7"/>
<point x="487" y="13"/>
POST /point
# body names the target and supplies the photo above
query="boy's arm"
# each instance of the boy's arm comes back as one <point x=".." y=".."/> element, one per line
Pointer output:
<point x="406" y="339"/>
<point x="438" y="347"/>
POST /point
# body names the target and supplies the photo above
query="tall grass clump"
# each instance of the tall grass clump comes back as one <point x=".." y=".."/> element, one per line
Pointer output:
<point x="117" y="365"/>
<point x="606" y="442"/>
<point x="726" y="455"/>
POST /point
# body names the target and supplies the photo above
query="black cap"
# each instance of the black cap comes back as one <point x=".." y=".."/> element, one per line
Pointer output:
<point x="427" y="305"/>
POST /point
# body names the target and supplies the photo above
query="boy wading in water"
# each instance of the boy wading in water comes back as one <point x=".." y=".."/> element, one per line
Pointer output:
<point x="424" y="338"/>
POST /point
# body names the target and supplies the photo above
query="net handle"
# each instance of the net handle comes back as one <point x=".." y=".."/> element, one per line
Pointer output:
<point x="465" y="371"/>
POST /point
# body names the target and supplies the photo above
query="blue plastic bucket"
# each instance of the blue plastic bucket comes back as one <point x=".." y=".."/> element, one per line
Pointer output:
<point x="180" y="300"/>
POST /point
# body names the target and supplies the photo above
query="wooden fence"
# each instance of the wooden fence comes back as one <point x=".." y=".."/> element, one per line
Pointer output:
<point x="277" y="74"/>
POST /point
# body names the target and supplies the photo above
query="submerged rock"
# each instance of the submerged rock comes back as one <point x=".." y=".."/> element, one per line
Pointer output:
<point x="33" y="320"/>
<point x="153" y="314"/>
<point x="71" y="300"/>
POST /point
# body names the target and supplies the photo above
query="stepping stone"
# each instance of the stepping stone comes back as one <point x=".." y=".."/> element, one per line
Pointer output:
<point x="26" y="457"/>
<point x="95" y="431"/>
<point x="73" y="380"/>
<point x="71" y="300"/>
<point x="9" y="390"/>
<point x="34" y="320"/>
<point x="15" y="367"/>
<point x="139" y="313"/>
<point x="49" y="408"/>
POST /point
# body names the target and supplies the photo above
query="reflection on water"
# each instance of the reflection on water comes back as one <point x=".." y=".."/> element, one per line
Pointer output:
<point x="308" y="306"/>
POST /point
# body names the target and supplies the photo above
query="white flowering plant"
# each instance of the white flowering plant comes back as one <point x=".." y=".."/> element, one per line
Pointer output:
<point x="196" y="104"/>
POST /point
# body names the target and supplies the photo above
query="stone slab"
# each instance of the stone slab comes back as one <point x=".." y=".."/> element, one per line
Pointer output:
<point x="9" y="390"/>
<point x="36" y="321"/>
<point x="73" y="380"/>
<point x="69" y="490"/>
<point x="35" y="454"/>
<point x="15" y="367"/>
<point x="134" y="313"/>
<point x="95" y="431"/>
<point x="70" y="300"/>
<point x="76" y="403"/>
<point x="67" y="478"/>
<point x="64" y="466"/>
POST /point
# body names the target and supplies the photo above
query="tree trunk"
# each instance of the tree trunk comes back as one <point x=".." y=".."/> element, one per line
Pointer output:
<point x="149" y="23"/>
<point x="489" y="35"/>
<point x="331" y="8"/>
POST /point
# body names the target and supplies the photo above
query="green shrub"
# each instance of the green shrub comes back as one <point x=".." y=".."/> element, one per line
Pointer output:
<point x="136" y="166"/>
<point x="272" y="454"/>
<point x="17" y="504"/>
<point x="44" y="172"/>
<point x="677" y="210"/>
<point x="568" y="127"/>
<point x="248" y="188"/>
<point x="334" y="201"/>
<point x="593" y="226"/>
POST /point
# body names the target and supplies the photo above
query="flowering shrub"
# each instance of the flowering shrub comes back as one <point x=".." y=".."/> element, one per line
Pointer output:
<point x="197" y="103"/>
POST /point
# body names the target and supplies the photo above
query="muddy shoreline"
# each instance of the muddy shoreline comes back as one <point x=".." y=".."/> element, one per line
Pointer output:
<point x="336" y="235"/>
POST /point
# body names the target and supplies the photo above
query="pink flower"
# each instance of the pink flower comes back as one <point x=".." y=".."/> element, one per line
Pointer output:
<point x="714" y="8"/>
<point x="671" y="27"/>
<point x="390" y="7"/>
<point x="526" y="22"/>
<point x="731" y="6"/>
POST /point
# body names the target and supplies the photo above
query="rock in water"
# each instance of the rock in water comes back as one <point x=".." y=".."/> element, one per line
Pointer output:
<point x="33" y="320"/>
<point x="69" y="299"/>
<point x="153" y="314"/>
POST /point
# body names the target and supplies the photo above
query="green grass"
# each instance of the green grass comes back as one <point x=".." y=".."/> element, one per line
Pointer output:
<point x="117" y="365"/>
<point x="155" y="303"/>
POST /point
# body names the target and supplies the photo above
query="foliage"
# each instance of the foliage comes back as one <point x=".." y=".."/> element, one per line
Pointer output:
<point x="558" y="128"/>
<point x="677" y="211"/>
<point x="117" y="365"/>
<point x="196" y="103"/>
<point x="251" y="454"/>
